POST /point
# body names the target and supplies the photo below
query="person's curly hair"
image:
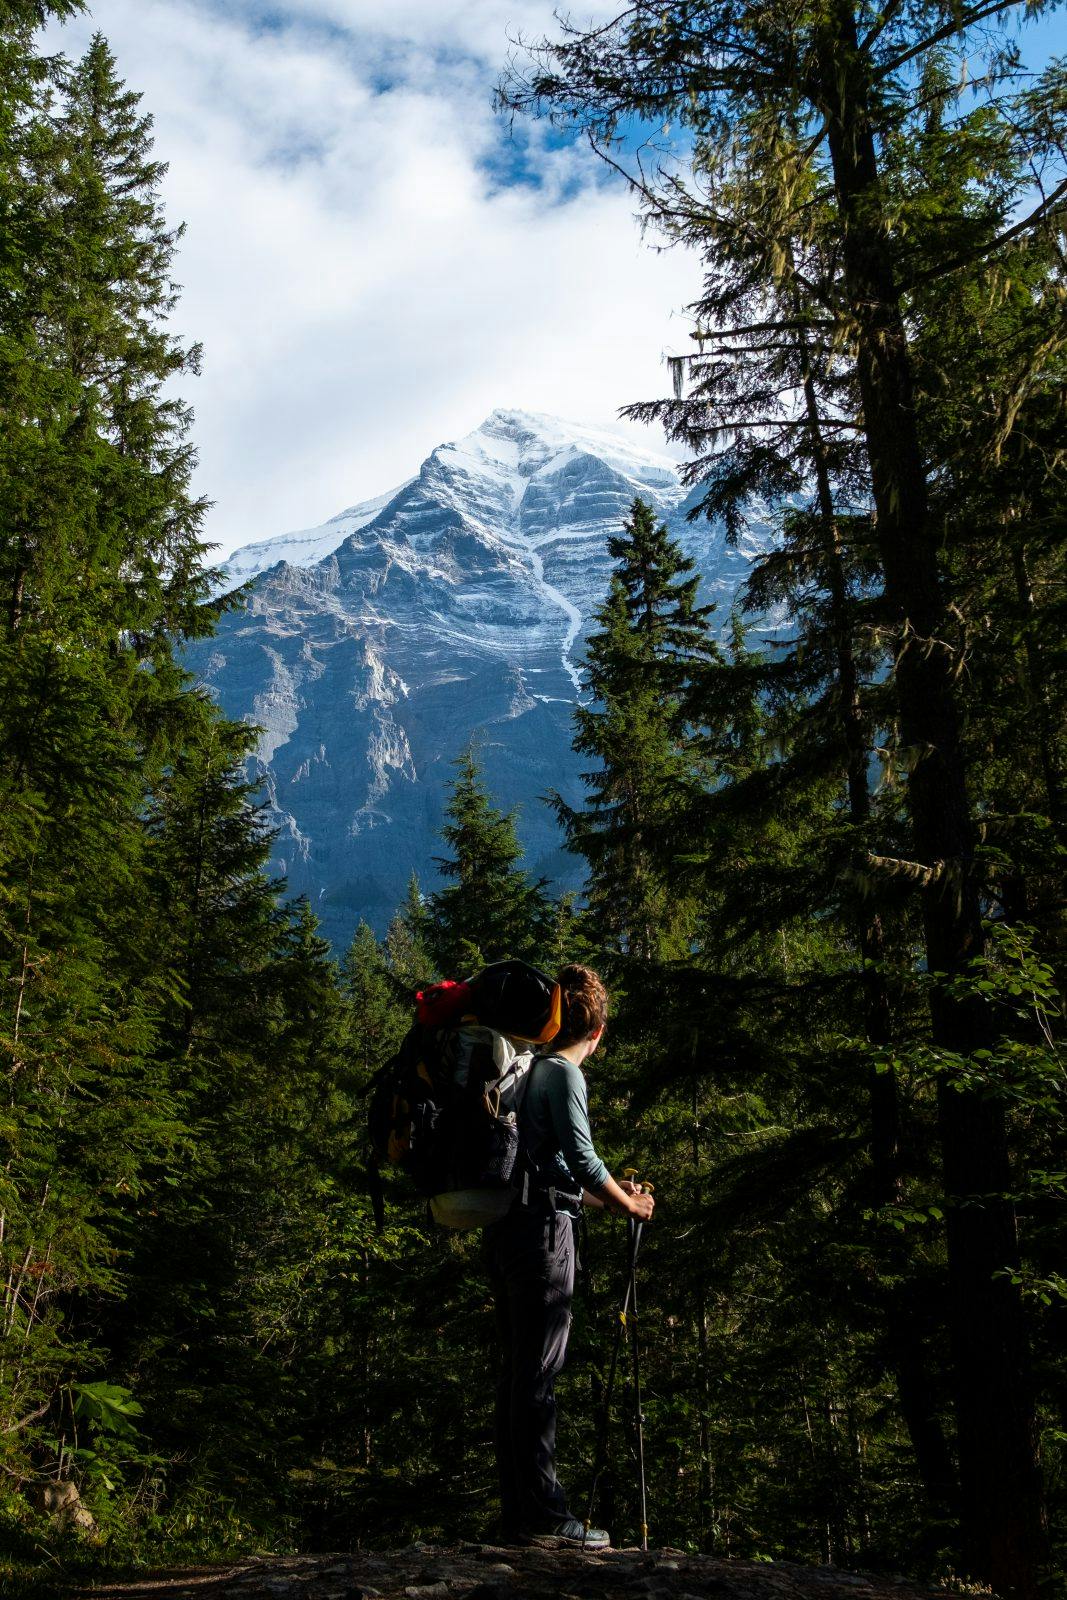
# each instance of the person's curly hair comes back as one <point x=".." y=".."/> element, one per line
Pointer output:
<point x="584" y="1005"/>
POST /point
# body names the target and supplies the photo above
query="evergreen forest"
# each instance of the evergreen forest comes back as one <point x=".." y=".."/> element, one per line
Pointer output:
<point x="824" y="866"/>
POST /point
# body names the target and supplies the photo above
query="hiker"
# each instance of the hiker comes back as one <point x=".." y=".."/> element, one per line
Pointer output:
<point x="531" y="1255"/>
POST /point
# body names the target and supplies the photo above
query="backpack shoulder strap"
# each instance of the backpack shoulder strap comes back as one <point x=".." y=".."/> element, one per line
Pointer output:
<point x="522" y="1089"/>
<point x="521" y="1092"/>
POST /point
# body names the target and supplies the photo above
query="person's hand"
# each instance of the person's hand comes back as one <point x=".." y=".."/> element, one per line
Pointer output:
<point x="641" y="1205"/>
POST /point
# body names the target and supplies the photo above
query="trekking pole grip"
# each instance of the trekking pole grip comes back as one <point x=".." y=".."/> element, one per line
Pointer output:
<point x="643" y="1186"/>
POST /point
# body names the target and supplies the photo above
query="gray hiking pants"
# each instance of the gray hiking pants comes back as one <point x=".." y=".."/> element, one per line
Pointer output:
<point x="531" y="1260"/>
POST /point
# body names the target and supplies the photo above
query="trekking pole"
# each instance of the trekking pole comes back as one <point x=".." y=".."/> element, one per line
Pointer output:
<point x="635" y="1356"/>
<point x="601" y="1452"/>
<point x="633" y="1245"/>
<point x="639" y="1415"/>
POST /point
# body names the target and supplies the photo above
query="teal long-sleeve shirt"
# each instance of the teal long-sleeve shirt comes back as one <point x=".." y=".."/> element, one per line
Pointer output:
<point x="555" y="1117"/>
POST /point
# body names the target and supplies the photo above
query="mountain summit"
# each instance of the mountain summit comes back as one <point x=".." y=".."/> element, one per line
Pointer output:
<point x="375" y="648"/>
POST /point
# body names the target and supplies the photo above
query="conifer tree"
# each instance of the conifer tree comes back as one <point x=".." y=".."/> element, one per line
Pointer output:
<point x="99" y="1108"/>
<point x="115" y="330"/>
<point x="108" y="971"/>
<point x="378" y="1015"/>
<point x="209" y="922"/>
<point x="858" y="89"/>
<point x="124" y="563"/>
<point x="652" y="637"/>
<point x="407" y="940"/>
<point x="490" y="910"/>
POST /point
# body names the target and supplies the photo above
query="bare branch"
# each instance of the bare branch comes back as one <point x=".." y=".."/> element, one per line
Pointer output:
<point x="785" y="324"/>
<point x="957" y="26"/>
<point x="24" y="1422"/>
<point x="1037" y="215"/>
<point x="640" y="184"/>
<point x="883" y="22"/>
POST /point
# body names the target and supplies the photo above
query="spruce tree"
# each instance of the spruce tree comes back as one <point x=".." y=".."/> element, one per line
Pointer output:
<point x="378" y="1016"/>
<point x="407" y="941"/>
<point x="108" y="1072"/>
<point x="798" y="122"/>
<point x="122" y="563"/>
<point x="651" y="639"/>
<point x="209" y="923"/>
<point x="490" y="910"/>
<point x="97" y="1108"/>
<point x="115" y="331"/>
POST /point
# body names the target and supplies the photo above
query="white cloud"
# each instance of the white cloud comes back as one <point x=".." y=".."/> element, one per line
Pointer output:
<point x="476" y="25"/>
<point x="363" y="287"/>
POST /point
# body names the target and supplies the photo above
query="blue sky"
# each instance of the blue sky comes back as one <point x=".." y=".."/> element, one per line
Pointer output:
<point x="1046" y="35"/>
<point x="371" y="264"/>
<point x="371" y="261"/>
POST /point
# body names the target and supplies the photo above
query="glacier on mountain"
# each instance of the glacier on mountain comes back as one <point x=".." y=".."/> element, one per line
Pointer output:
<point x="372" y="650"/>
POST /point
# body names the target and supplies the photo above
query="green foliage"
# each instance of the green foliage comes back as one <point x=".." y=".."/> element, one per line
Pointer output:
<point x="652" y="639"/>
<point x="880" y="339"/>
<point x="200" y="1327"/>
<point x="171" y="1039"/>
<point x="377" y="999"/>
<point x="839" y="1099"/>
<point x="407" y="941"/>
<point x="490" y="910"/>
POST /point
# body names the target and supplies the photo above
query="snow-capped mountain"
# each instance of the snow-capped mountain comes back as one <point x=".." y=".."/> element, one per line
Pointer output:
<point x="305" y="547"/>
<point x="374" y="649"/>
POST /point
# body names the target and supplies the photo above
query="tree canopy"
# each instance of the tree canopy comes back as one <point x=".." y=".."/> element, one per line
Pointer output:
<point x="823" y="839"/>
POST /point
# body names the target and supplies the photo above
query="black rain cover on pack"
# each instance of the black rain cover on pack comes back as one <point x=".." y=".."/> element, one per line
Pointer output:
<point x="518" y="1000"/>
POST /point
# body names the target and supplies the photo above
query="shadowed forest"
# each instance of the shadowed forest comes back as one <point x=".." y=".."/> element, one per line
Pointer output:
<point x="824" y="872"/>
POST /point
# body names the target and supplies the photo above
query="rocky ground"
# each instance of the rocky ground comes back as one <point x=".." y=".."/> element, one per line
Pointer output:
<point x="488" y="1572"/>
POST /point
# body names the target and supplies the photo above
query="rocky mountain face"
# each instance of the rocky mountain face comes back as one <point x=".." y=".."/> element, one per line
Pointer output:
<point x="374" y="649"/>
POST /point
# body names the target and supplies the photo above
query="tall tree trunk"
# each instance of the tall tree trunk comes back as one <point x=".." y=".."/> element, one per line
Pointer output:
<point x="1036" y="688"/>
<point x="703" y="1354"/>
<point x="905" y="1352"/>
<point x="1002" y="1524"/>
<point x="918" y="1407"/>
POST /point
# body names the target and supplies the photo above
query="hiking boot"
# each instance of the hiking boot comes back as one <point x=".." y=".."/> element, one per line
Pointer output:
<point x="567" y="1533"/>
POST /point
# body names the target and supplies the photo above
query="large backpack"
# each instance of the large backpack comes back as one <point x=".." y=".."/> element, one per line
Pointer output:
<point x="445" y="1108"/>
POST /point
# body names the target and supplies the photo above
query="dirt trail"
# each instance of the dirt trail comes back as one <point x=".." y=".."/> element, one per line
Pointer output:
<point x="488" y="1572"/>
